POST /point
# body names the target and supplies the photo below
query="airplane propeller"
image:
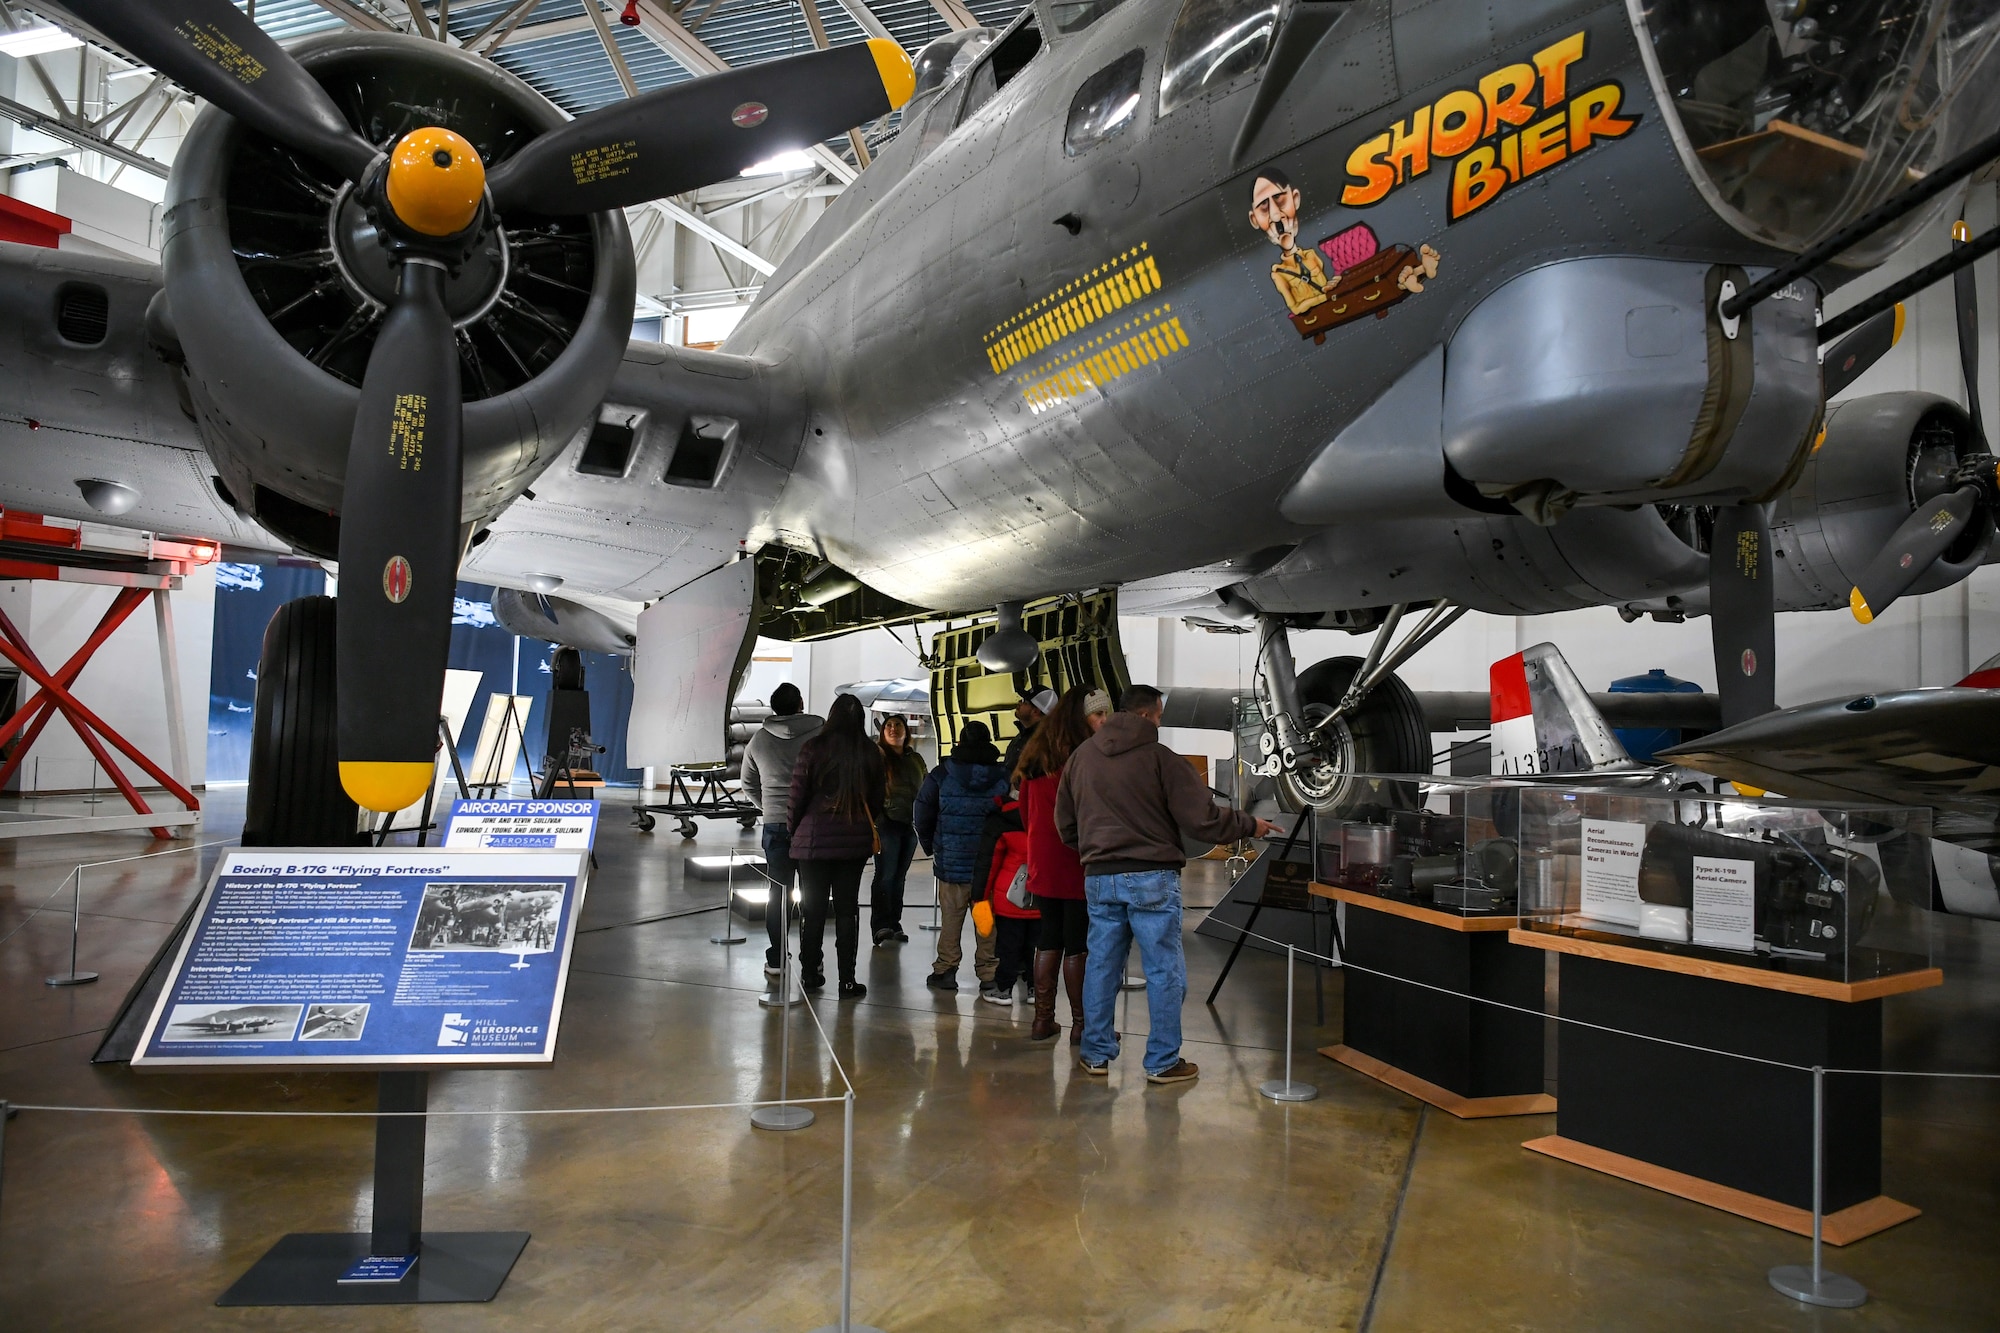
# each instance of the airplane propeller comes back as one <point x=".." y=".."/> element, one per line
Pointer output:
<point x="1742" y="610"/>
<point x="1974" y="499"/>
<point x="431" y="198"/>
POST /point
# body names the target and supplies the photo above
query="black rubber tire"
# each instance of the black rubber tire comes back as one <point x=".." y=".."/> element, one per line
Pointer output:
<point x="295" y="798"/>
<point x="1388" y="730"/>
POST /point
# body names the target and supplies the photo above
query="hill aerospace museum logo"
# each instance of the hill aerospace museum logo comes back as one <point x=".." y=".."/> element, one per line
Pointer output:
<point x="1515" y="122"/>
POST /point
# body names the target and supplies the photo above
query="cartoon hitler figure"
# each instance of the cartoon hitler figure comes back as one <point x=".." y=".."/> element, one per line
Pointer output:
<point x="1300" y="276"/>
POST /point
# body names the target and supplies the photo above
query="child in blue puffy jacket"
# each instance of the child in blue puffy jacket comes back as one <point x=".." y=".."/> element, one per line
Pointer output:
<point x="950" y="815"/>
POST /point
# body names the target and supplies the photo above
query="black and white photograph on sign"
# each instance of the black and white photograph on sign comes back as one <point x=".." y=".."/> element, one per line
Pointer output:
<point x="232" y="1022"/>
<point x="503" y="918"/>
<point x="334" y="1022"/>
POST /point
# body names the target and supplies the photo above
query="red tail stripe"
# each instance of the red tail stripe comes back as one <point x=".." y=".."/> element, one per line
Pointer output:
<point x="1509" y="684"/>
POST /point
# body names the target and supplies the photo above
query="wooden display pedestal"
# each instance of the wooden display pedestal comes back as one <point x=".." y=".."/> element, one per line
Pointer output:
<point x="1731" y="1133"/>
<point x="1458" y="1054"/>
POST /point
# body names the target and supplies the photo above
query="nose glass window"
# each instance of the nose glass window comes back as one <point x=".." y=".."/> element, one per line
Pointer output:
<point x="1213" y="43"/>
<point x="1105" y="105"/>
<point x="1804" y="114"/>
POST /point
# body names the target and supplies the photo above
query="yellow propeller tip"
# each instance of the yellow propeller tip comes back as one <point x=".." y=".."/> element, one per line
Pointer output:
<point x="899" y="76"/>
<point x="1859" y="606"/>
<point x="382" y="786"/>
<point x="1745" y="789"/>
<point x="436" y="181"/>
<point x="1896" y="334"/>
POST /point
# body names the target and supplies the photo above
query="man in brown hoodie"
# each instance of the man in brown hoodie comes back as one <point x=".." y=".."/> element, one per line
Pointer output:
<point x="1124" y="803"/>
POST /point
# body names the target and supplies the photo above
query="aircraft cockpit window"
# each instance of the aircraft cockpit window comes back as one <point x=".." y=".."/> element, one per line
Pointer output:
<point x="1105" y="104"/>
<point x="1002" y="61"/>
<point x="945" y="59"/>
<point x="1214" y="43"/>
<point x="1076" y="15"/>
<point x="1798" y="118"/>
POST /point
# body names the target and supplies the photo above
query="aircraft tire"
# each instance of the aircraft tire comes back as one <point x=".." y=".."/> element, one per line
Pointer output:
<point x="295" y="798"/>
<point x="1386" y="734"/>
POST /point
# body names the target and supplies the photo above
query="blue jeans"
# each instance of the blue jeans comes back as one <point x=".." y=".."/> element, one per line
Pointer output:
<point x="1143" y="906"/>
<point x="779" y="866"/>
<point x="892" y="871"/>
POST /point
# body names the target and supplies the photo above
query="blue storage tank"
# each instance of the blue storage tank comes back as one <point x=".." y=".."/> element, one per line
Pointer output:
<point x="1643" y="743"/>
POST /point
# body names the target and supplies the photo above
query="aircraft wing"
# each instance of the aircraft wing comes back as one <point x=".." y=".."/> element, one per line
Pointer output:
<point x="1936" y="747"/>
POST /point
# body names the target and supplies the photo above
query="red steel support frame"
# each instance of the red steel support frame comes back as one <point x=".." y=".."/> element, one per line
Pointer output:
<point x="55" y="697"/>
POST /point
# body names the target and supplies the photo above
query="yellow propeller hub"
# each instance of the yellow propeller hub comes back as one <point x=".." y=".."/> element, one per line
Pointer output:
<point x="436" y="181"/>
<point x="1859" y="606"/>
<point x="899" y="77"/>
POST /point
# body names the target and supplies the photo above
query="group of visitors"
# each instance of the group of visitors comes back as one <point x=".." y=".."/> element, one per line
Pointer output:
<point x="1065" y="851"/>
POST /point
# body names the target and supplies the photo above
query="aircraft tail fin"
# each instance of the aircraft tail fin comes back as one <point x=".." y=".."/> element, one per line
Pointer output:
<point x="1985" y="676"/>
<point x="1543" y="719"/>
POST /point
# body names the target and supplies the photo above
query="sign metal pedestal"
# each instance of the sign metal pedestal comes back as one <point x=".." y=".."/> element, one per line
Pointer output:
<point x="305" y="1268"/>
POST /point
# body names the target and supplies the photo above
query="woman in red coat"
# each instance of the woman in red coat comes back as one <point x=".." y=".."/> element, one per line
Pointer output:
<point x="838" y="786"/>
<point x="1055" y="875"/>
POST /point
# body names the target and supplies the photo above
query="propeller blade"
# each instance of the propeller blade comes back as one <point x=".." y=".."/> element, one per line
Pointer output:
<point x="1860" y="349"/>
<point x="692" y="134"/>
<point x="1923" y="537"/>
<point x="1743" y="612"/>
<point x="1965" y="298"/>
<point x="399" y="548"/>
<point x="212" y="48"/>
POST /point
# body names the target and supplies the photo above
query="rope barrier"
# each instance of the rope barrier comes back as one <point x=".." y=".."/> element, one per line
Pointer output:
<point x="92" y="865"/>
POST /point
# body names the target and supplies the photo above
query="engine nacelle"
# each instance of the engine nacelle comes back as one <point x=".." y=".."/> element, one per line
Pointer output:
<point x="276" y="284"/>
<point x="1883" y="455"/>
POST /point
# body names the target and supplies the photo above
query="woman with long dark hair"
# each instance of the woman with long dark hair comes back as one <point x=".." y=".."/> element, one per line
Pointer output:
<point x="836" y="808"/>
<point x="906" y="772"/>
<point x="1055" y="875"/>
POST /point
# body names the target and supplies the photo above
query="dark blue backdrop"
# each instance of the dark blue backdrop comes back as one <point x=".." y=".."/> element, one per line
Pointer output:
<point x="248" y="594"/>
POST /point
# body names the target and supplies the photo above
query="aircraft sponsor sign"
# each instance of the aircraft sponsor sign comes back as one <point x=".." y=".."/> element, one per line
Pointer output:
<point x="375" y="957"/>
<point x="518" y="824"/>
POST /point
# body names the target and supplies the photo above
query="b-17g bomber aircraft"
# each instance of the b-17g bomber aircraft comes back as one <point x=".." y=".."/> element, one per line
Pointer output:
<point x="1270" y="313"/>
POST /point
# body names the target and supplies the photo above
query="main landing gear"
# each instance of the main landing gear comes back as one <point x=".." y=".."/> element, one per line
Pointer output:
<point x="295" y="798"/>
<point x="1342" y="717"/>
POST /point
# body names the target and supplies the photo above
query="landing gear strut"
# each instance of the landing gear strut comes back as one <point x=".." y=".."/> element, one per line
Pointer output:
<point x="1344" y="716"/>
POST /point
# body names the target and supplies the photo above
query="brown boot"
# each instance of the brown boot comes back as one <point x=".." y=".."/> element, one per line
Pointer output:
<point x="1072" y="970"/>
<point x="1048" y="963"/>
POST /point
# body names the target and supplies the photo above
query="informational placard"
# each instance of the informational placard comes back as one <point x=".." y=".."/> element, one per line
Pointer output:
<point x="1611" y="855"/>
<point x="511" y="824"/>
<point x="1725" y="903"/>
<point x="380" y="957"/>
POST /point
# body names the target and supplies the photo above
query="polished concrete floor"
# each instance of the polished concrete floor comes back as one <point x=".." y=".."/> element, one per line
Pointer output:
<point x="997" y="1187"/>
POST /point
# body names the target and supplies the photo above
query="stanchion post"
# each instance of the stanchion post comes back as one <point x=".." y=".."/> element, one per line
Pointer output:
<point x="934" y="923"/>
<point x="847" y="1324"/>
<point x="1816" y="1286"/>
<point x="1285" y="1090"/>
<point x="783" y="1116"/>
<point x="73" y="977"/>
<point x="728" y="935"/>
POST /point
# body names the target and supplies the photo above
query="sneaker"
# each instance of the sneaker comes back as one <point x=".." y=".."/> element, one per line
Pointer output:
<point x="1181" y="1072"/>
<point x="813" y="981"/>
<point x="852" y="990"/>
<point x="773" y="973"/>
<point x="1101" y="1068"/>
<point x="901" y="938"/>
<point x="993" y="994"/>
<point x="942" y="981"/>
<point x="882" y="937"/>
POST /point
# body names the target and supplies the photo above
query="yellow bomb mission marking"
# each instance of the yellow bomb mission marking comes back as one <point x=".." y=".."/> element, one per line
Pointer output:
<point x="1497" y="134"/>
<point x="1073" y="307"/>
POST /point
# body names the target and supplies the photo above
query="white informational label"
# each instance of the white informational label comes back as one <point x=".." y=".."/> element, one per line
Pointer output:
<point x="1725" y="903"/>
<point x="1611" y="855"/>
<point x="521" y="825"/>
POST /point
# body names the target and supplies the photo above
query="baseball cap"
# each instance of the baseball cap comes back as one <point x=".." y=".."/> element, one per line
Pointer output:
<point x="1043" y="699"/>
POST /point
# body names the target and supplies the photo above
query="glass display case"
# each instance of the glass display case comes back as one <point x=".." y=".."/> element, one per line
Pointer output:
<point x="1446" y="844"/>
<point x="1835" y="893"/>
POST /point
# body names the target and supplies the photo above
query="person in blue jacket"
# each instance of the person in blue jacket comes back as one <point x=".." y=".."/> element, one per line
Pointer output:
<point x="950" y="815"/>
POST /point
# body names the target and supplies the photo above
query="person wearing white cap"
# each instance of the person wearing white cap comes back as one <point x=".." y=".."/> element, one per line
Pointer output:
<point x="1034" y="705"/>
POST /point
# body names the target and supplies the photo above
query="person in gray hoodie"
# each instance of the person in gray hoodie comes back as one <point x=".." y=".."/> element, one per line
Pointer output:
<point x="767" y="780"/>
